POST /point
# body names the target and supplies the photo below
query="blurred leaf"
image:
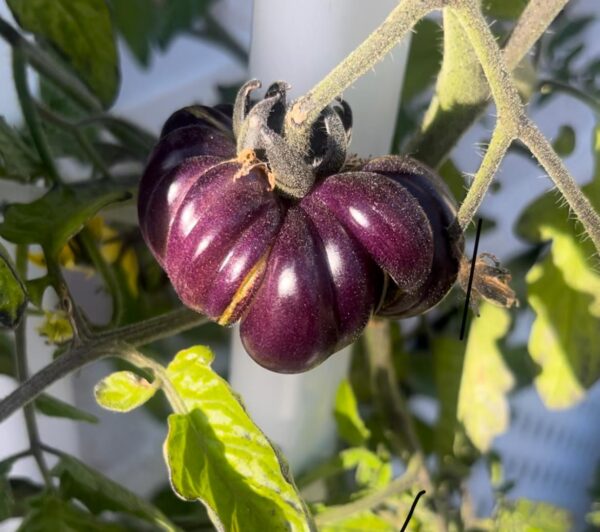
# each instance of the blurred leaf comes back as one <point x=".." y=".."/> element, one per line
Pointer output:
<point x="529" y="516"/>
<point x="566" y="31"/>
<point x="36" y="289"/>
<point x="56" y="327"/>
<point x="362" y="521"/>
<point x="49" y="513"/>
<point x="593" y="517"/>
<point x="99" y="494"/>
<point x="564" y="292"/>
<point x="565" y="337"/>
<point x="179" y="510"/>
<point x="504" y="9"/>
<point x="53" y="407"/>
<point x="482" y="405"/>
<point x="82" y="31"/>
<point x="350" y="426"/>
<point x="454" y="178"/>
<point x="176" y="17"/>
<point x="217" y="455"/>
<point x="6" y="499"/>
<point x="136" y="22"/>
<point x="17" y="160"/>
<point x="372" y="471"/>
<point x="13" y="297"/>
<point x="564" y="143"/>
<point x="449" y="353"/>
<point x="123" y="391"/>
<point x="424" y="58"/>
<point x="58" y="215"/>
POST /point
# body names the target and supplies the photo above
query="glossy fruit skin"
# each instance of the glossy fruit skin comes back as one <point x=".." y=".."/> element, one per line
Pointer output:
<point x="302" y="276"/>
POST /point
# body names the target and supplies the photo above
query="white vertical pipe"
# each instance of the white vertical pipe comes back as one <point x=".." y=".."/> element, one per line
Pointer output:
<point x="299" y="41"/>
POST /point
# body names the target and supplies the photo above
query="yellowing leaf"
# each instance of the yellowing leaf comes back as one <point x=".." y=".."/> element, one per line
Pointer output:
<point x="217" y="455"/>
<point x="349" y="423"/>
<point x="123" y="391"/>
<point x="482" y="405"/>
<point x="56" y="327"/>
<point x="131" y="268"/>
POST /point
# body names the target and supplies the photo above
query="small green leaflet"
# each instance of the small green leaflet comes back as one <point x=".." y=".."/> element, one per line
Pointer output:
<point x="123" y="391"/>
<point x="81" y="30"/>
<point x="99" y="494"/>
<point x="53" y="407"/>
<point x="58" y="215"/>
<point x="359" y="522"/>
<point x="531" y="516"/>
<point x="350" y="426"/>
<point x="482" y="405"/>
<point x="217" y="455"/>
<point x="13" y="297"/>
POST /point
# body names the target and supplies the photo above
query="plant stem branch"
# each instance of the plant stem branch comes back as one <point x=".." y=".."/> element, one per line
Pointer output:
<point x="497" y="148"/>
<point x="546" y="86"/>
<point x="373" y="49"/>
<point x="143" y="362"/>
<point x="395" y="487"/>
<point x="102" y="345"/>
<point x="542" y="150"/>
<point x="47" y="66"/>
<point x="532" y="23"/>
<point x="21" y="373"/>
<point x="31" y="117"/>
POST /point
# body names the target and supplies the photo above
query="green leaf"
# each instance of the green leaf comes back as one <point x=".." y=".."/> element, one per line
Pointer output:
<point x="81" y="31"/>
<point x="17" y="160"/>
<point x="424" y="58"/>
<point x="99" y="494"/>
<point x="564" y="143"/>
<point x="529" y="516"/>
<point x="482" y="405"/>
<point x="136" y="21"/>
<point x="53" y="407"/>
<point x="350" y="426"/>
<point x="6" y="355"/>
<point x="504" y="9"/>
<point x="123" y="391"/>
<point x="58" y="215"/>
<point x="6" y="499"/>
<point x="48" y="512"/>
<point x="565" y="337"/>
<point x="359" y="522"/>
<point x="217" y="455"/>
<point x="564" y="293"/>
<point x="13" y="297"/>
<point x="177" y="17"/>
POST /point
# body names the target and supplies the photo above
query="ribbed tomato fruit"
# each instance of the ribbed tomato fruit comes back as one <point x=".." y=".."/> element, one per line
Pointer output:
<point x="302" y="272"/>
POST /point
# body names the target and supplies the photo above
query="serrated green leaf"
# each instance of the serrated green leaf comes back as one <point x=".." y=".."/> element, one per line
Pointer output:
<point x="13" y="297"/>
<point x="58" y="215"/>
<point x="123" y="391"/>
<point x="530" y="516"/>
<point x="350" y="425"/>
<point x="217" y="455"/>
<point x="81" y="30"/>
<point x="53" y="407"/>
<point x="482" y="404"/>
<point x="565" y="337"/>
<point x="48" y="512"/>
<point x="17" y="160"/>
<point x="99" y="494"/>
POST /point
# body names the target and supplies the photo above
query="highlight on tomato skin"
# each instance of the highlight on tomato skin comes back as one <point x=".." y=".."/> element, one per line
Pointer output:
<point x="302" y="276"/>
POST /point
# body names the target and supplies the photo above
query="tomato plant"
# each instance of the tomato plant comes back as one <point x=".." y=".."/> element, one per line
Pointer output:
<point x="256" y="210"/>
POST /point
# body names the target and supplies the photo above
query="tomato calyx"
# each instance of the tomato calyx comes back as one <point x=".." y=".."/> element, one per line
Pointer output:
<point x="259" y="129"/>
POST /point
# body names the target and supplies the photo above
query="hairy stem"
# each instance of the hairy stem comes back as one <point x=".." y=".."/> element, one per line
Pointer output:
<point x="372" y="50"/>
<point x="532" y="23"/>
<point x="497" y="148"/>
<point x="22" y="373"/>
<point x="542" y="150"/>
<point x="143" y="362"/>
<point x="48" y="67"/>
<point x="31" y="117"/>
<point x="102" y="345"/>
